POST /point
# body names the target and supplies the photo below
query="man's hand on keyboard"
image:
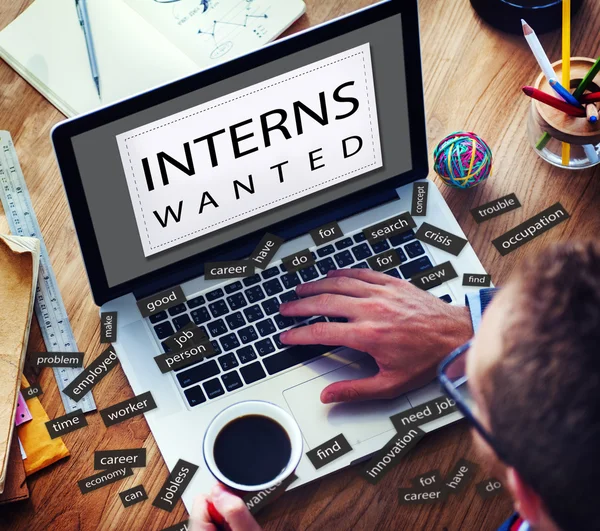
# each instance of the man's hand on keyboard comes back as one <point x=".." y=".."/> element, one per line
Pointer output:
<point x="407" y="330"/>
<point x="230" y="507"/>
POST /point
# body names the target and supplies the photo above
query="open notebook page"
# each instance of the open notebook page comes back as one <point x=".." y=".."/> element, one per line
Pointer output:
<point x="213" y="31"/>
<point x="46" y="45"/>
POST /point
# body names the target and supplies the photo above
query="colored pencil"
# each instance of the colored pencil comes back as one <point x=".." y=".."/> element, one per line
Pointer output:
<point x="544" y="63"/>
<point x="538" y="51"/>
<point x="587" y="79"/>
<point x="566" y="65"/>
<point x="591" y="153"/>
<point x="591" y="112"/>
<point x="592" y="97"/>
<point x="548" y="99"/>
<point x="564" y="93"/>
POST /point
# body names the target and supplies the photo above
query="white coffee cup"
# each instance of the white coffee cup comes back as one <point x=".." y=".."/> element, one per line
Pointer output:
<point x="243" y="409"/>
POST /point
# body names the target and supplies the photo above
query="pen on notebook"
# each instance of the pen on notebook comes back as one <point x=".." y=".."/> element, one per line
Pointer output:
<point x="564" y="93"/>
<point x="84" y="21"/>
<point x="548" y="99"/>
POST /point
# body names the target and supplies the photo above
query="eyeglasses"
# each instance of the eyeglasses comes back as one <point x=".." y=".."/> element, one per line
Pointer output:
<point x="453" y="378"/>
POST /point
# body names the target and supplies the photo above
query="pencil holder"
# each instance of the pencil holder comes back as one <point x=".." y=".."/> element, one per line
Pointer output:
<point x="548" y="128"/>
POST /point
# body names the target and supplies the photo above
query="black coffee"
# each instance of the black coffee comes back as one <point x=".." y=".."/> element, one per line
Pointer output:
<point x="252" y="450"/>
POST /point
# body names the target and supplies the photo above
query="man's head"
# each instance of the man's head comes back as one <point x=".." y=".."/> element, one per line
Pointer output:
<point x="534" y="371"/>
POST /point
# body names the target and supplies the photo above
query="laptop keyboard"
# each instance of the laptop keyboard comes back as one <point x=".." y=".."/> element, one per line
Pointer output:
<point x="242" y="319"/>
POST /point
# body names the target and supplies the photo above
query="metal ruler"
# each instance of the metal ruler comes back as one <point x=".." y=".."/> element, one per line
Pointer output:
<point x="49" y="307"/>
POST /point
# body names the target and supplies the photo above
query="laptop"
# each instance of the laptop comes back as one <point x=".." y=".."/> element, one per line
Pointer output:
<point x="324" y="126"/>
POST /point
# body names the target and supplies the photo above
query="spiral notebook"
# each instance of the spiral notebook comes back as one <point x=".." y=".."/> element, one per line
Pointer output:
<point x="139" y="44"/>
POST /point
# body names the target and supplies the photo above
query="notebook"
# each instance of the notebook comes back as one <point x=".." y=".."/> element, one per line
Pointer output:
<point x="19" y="264"/>
<point x="139" y="44"/>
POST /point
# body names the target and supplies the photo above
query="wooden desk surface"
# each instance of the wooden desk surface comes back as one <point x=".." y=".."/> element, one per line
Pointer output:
<point x="473" y="76"/>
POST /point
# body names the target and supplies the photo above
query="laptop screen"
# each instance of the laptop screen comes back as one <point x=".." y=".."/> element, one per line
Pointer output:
<point x="242" y="154"/>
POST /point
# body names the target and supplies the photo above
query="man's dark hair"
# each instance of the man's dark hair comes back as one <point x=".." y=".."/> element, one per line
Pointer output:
<point x="544" y="397"/>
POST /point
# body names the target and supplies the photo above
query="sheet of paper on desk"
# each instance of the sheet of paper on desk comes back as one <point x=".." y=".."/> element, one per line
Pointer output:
<point x="46" y="46"/>
<point x="137" y="47"/>
<point x="212" y="31"/>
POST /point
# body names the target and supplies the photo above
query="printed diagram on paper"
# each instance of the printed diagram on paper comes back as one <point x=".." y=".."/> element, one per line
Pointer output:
<point x="211" y="31"/>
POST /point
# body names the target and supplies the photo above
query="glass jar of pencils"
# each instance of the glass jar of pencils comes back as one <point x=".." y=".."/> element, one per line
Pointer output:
<point x="566" y="140"/>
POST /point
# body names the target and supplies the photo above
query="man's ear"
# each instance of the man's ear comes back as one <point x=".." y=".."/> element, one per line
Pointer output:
<point x="527" y="503"/>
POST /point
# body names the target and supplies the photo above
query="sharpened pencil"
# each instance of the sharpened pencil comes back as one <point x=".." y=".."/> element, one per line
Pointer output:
<point x="548" y="99"/>
<point x="538" y="51"/>
<point x="591" y="112"/>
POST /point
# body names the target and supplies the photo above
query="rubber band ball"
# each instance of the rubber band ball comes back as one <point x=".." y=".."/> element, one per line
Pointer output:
<point x="463" y="160"/>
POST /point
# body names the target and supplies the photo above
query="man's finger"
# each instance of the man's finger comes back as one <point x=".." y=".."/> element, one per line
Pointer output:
<point x="340" y="285"/>
<point x="366" y="275"/>
<point x="234" y="510"/>
<point x="324" y="304"/>
<point x="370" y="388"/>
<point x="334" y="334"/>
<point x="200" y="519"/>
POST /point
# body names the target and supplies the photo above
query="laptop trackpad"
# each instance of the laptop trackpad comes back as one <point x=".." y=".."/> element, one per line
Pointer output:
<point x="358" y="421"/>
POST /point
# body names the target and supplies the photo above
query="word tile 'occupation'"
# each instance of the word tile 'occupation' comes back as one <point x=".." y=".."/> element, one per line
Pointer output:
<point x="530" y="229"/>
